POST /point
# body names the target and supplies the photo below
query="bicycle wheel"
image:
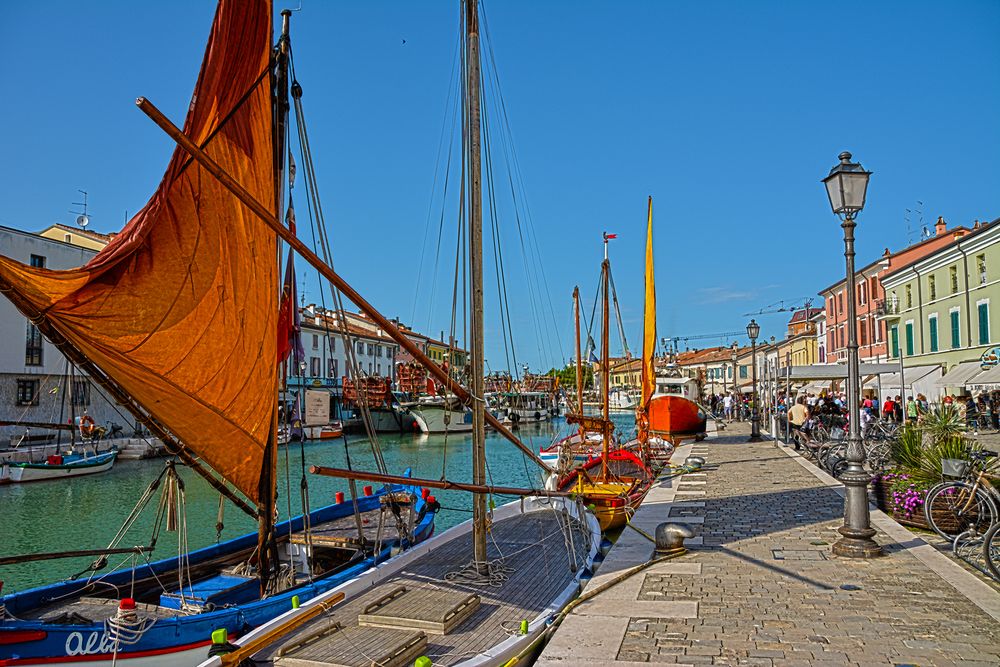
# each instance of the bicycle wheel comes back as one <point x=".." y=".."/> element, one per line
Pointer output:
<point x="991" y="550"/>
<point x="951" y="508"/>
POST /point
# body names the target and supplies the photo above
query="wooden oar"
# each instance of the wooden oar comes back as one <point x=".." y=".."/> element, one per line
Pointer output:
<point x="294" y="623"/>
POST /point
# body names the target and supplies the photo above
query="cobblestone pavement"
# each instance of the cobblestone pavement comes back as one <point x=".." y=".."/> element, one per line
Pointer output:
<point x="770" y="592"/>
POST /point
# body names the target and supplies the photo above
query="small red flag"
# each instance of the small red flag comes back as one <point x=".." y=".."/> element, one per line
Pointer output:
<point x="610" y="236"/>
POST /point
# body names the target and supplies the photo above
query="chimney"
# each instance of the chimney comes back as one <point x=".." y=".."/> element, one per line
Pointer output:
<point x="940" y="227"/>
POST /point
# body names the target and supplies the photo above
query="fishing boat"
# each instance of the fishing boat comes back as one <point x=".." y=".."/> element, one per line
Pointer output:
<point x="674" y="409"/>
<point x="176" y="320"/>
<point x="482" y="592"/>
<point x="622" y="400"/>
<point x="58" y="466"/>
<point x="440" y="414"/>
<point x="526" y="407"/>
<point x="616" y="482"/>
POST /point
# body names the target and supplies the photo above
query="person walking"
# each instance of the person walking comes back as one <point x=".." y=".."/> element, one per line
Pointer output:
<point x="889" y="410"/>
<point x="798" y="415"/>
<point x="911" y="410"/>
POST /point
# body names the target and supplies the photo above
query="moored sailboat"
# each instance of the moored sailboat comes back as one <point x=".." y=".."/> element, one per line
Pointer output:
<point x="177" y="320"/>
<point x="482" y="592"/>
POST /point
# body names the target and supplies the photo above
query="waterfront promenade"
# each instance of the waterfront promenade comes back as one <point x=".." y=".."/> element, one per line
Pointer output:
<point x="761" y="587"/>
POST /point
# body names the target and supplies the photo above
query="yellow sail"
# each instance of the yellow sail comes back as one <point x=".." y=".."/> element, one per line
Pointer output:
<point x="649" y="319"/>
<point x="180" y="308"/>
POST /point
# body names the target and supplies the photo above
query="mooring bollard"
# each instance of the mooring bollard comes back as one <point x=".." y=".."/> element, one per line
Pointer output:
<point x="670" y="537"/>
<point x="694" y="462"/>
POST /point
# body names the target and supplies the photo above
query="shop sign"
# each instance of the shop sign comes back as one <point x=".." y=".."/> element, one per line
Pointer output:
<point x="990" y="358"/>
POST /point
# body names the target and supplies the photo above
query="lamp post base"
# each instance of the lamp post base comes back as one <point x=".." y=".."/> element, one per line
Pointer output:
<point x="857" y="533"/>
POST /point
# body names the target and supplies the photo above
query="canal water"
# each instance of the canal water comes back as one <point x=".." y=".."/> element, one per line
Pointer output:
<point x="86" y="512"/>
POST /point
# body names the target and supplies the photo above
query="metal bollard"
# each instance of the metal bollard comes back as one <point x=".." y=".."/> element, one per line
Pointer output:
<point x="670" y="537"/>
<point x="694" y="462"/>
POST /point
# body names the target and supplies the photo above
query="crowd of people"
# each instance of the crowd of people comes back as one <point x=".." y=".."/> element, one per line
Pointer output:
<point x="981" y="412"/>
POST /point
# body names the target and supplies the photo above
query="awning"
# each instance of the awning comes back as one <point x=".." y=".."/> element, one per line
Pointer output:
<point x="815" y="387"/>
<point x="832" y="371"/>
<point x="990" y="376"/>
<point x="917" y="379"/>
<point x="961" y="375"/>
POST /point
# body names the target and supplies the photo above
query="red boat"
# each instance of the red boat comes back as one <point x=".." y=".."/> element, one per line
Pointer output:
<point x="674" y="409"/>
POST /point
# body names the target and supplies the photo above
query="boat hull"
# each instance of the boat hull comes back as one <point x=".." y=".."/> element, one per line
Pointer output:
<point x="614" y="501"/>
<point x="438" y="419"/>
<point x="40" y="472"/>
<point x="183" y="639"/>
<point x="673" y="416"/>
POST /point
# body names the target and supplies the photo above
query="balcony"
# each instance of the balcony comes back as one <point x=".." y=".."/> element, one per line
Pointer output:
<point x="887" y="308"/>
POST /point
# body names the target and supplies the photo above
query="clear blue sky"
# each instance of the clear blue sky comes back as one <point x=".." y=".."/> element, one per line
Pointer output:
<point x="728" y="113"/>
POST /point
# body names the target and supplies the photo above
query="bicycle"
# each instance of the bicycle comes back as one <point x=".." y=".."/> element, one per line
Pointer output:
<point x="966" y="504"/>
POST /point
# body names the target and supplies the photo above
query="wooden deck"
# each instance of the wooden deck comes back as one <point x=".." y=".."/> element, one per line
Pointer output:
<point x="536" y="568"/>
<point x="343" y="533"/>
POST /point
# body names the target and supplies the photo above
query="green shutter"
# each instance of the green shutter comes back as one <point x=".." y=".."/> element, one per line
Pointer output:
<point x="894" y="333"/>
<point x="984" y="323"/>
<point x="956" y="341"/>
<point x="909" y="339"/>
<point x="932" y="325"/>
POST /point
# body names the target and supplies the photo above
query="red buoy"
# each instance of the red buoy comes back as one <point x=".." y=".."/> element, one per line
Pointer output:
<point x="425" y="492"/>
<point x="339" y="497"/>
<point x="127" y="603"/>
<point x="368" y="490"/>
<point x="431" y="500"/>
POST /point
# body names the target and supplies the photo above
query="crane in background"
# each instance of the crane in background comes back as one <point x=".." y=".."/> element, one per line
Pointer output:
<point x="670" y="342"/>
<point x="780" y="307"/>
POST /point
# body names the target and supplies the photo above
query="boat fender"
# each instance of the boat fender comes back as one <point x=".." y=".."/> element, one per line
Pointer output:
<point x="423" y="661"/>
<point x="433" y="504"/>
<point x="221" y="646"/>
<point x="87" y="426"/>
<point x="425" y="493"/>
<point x="538" y="415"/>
<point x="524" y="627"/>
<point x="514" y="417"/>
<point x="368" y="490"/>
<point x="338" y="497"/>
<point x="54" y="460"/>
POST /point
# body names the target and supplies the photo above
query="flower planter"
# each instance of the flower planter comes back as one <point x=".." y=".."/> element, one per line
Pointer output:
<point x="884" y="501"/>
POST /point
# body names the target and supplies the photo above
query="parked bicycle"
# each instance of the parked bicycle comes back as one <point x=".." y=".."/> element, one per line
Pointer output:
<point x="966" y="503"/>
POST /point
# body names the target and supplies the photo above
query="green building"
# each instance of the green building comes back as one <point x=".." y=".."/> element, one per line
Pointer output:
<point x="945" y="308"/>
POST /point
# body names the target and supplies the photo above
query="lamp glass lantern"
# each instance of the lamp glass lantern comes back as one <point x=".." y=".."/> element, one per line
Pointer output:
<point x="846" y="186"/>
<point x="753" y="330"/>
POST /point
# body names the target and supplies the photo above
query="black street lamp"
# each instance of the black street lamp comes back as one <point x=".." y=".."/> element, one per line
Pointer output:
<point x="753" y="330"/>
<point x="846" y="187"/>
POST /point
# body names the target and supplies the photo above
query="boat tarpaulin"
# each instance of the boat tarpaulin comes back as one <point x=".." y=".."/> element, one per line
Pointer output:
<point x="180" y="308"/>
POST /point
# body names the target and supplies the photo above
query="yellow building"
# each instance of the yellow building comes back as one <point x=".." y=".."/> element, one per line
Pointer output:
<point x="81" y="238"/>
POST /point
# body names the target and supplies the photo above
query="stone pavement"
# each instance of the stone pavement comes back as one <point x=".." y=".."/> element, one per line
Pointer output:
<point x="761" y="587"/>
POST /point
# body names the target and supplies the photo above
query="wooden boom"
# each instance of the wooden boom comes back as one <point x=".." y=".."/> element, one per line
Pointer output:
<point x="27" y="558"/>
<point x="324" y="270"/>
<point x="432" y="483"/>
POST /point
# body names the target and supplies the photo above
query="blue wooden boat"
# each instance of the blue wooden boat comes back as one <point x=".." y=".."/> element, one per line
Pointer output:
<point x="72" y="622"/>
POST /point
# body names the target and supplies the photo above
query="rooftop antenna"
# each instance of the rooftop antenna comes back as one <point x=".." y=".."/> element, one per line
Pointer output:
<point x="82" y="218"/>
<point x="921" y="232"/>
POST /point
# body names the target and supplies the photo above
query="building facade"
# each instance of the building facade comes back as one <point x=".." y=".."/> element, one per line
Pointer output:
<point x="868" y="292"/>
<point x="945" y="308"/>
<point x="36" y="382"/>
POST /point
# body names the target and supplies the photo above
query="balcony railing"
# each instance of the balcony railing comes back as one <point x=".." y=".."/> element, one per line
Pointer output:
<point x="887" y="307"/>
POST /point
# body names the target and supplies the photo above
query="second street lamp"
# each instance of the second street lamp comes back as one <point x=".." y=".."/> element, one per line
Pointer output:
<point x="846" y="187"/>
<point x="753" y="330"/>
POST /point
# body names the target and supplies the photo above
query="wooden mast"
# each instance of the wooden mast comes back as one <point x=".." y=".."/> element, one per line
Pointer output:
<point x="579" y="360"/>
<point x="476" y="277"/>
<point x="605" y="362"/>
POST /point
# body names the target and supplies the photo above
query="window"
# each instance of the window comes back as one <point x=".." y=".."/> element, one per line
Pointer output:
<point x="314" y="366"/>
<point x="909" y="338"/>
<point x="333" y="343"/>
<point x="333" y="364"/>
<point x="894" y="337"/>
<point x="331" y="368"/>
<point x="874" y="286"/>
<point x="953" y="272"/>
<point x="956" y="338"/>
<point x="980" y="267"/>
<point x="931" y="287"/>
<point x="378" y="351"/>
<point x="730" y="372"/>
<point x="38" y="261"/>
<point x="863" y="292"/>
<point x="840" y="303"/>
<point x="361" y="347"/>
<point x="984" y="321"/>
<point x="909" y="297"/>
<point x="33" y="346"/>
<point x="864" y="333"/>
<point x="315" y="342"/>
<point x="743" y="372"/>
<point x="27" y="392"/>
<point x="932" y="328"/>
<point x="822" y="354"/>
<point x="68" y="238"/>
<point x="81" y="392"/>
<point x="371" y="349"/>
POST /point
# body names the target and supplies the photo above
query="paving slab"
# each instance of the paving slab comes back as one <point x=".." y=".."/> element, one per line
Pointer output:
<point x="760" y="585"/>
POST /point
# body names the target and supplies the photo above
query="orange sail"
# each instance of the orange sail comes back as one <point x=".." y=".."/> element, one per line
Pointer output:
<point x="180" y="308"/>
<point x="648" y="330"/>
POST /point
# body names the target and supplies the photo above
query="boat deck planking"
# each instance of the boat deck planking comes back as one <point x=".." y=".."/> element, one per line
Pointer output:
<point x="539" y="569"/>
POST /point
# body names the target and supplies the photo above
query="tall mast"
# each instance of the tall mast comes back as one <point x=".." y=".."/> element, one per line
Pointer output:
<point x="266" y="547"/>
<point x="476" y="277"/>
<point x="579" y="361"/>
<point x="605" y="362"/>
